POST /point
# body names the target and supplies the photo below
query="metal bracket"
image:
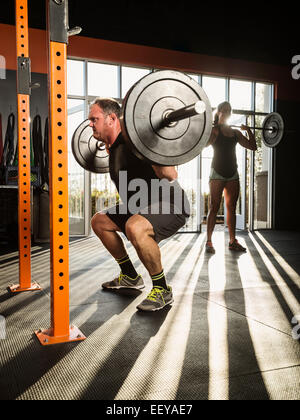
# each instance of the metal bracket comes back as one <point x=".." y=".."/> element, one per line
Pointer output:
<point x="59" y="22"/>
<point x="24" y="76"/>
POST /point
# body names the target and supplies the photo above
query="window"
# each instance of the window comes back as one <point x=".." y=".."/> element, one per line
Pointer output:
<point x="240" y="96"/>
<point x="263" y="97"/>
<point x="76" y="78"/>
<point x="76" y="173"/>
<point x="103" y="80"/>
<point x="188" y="179"/>
<point x="75" y="106"/>
<point x="215" y="88"/>
<point x="262" y="186"/>
<point x="130" y="76"/>
<point x="195" y="77"/>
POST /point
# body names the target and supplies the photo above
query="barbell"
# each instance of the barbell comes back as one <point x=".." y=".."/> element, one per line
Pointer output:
<point x="166" y="119"/>
<point x="272" y="129"/>
<point x="90" y="153"/>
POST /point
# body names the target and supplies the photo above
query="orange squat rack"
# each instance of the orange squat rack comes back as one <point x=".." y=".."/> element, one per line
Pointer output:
<point x="24" y="170"/>
<point x="60" y="330"/>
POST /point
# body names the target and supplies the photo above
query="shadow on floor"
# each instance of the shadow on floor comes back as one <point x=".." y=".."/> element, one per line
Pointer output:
<point x="236" y="347"/>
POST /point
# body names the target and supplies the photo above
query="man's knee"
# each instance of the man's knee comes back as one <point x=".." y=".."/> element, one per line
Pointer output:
<point x="99" y="222"/>
<point x="137" y="228"/>
<point x="133" y="230"/>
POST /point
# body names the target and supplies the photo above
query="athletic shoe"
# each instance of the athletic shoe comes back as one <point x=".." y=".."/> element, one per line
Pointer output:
<point x="235" y="246"/>
<point x="209" y="248"/>
<point x="124" y="282"/>
<point x="157" y="299"/>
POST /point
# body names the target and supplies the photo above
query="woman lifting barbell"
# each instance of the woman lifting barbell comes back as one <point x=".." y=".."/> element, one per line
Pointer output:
<point x="224" y="174"/>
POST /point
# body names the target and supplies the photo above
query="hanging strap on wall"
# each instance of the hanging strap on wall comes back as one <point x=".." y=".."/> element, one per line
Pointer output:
<point x="46" y="152"/>
<point x="9" y="146"/>
<point x="37" y="141"/>
<point x="1" y="141"/>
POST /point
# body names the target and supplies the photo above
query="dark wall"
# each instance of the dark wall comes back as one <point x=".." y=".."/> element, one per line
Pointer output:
<point x="9" y="197"/>
<point x="8" y="99"/>
<point x="287" y="170"/>
<point x="257" y="32"/>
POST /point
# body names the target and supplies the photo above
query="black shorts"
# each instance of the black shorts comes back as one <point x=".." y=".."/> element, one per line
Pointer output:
<point x="164" y="225"/>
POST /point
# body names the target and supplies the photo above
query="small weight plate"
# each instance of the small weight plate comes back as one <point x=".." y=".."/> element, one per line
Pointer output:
<point x="89" y="152"/>
<point x="144" y="108"/>
<point x="273" y="129"/>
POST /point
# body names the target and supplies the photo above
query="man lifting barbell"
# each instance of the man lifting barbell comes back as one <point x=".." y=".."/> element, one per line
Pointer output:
<point x="150" y="225"/>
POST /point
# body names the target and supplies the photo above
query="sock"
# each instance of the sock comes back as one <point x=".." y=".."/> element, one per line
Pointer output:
<point x="127" y="267"/>
<point x="160" y="280"/>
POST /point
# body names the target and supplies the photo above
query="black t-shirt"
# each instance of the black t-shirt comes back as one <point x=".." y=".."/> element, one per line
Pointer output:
<point x="132" y="175"/>
<point x="121" y="159"/>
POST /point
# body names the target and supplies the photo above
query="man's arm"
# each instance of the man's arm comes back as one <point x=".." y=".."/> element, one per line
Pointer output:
<point x="165" y="172"/>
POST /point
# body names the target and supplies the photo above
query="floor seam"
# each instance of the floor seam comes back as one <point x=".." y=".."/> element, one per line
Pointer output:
<point x="263" y="371"/>
<point x="247" y="316"/>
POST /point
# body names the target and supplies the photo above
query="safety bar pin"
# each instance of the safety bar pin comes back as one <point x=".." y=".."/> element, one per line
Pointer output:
<point x="74" y="31"/>
<point x="35" y="85"/>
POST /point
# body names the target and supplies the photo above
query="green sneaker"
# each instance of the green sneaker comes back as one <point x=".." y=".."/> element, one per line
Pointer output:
<point x="124" y="282"/>
<point x="157" y="299"/>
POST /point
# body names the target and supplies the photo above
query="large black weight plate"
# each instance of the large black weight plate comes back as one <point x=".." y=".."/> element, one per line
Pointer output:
<point x="143" y="110"/>
<point x="273" y="129"/>
<point x="89" y="152"/>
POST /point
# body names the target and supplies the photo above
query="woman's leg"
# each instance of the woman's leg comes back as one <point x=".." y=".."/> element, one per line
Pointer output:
<point x="231" y="192"/>
<point x="216" y="191"/>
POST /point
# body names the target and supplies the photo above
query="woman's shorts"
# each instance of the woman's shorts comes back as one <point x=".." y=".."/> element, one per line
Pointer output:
<point x="214" y="176"/>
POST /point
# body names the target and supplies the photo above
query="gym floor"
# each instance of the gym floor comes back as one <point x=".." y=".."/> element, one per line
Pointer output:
<point x="227" y="336"/>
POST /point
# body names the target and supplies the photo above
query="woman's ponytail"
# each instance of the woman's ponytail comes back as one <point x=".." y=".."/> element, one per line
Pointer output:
<point x="216" y="120"/>
<point x="221" y="107"/>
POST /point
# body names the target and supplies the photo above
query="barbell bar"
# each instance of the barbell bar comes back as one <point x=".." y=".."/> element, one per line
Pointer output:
<point x="273" y="125"/>
<point x="272" y="129"/>
<point x="171" y="117"/>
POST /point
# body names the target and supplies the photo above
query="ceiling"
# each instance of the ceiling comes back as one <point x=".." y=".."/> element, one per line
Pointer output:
<point x="263" y="32"/>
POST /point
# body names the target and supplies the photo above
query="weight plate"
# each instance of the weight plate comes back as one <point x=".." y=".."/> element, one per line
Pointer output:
<point x="144" y="108"/>
<point x="273" y="129"/>
<point x="89" y="152"/>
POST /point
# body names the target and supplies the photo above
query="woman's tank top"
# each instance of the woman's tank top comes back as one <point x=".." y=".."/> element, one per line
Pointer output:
<point x="224" y="161"/>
